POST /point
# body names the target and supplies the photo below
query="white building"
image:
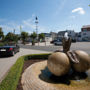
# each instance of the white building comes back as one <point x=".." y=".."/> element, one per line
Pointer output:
<point x="48" y="37"/>
<point x="85" y="33"/>
<point x="53" y="35"/>
<point x="71" y="34"/>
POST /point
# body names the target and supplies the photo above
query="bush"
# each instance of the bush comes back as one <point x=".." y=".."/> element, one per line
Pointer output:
<point x="36" y="56"/>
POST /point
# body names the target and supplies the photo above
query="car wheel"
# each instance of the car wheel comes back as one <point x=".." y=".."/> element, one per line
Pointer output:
<point x="18" y="50"/>
<point x="13" y="53"/>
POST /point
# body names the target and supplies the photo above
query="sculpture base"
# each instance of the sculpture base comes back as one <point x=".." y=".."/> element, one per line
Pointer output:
<point x="38" y="77"/>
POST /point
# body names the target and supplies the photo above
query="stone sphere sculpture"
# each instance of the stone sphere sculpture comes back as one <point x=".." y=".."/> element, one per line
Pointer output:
<point x="58" y="63"/>
<point x="84" y="61"/>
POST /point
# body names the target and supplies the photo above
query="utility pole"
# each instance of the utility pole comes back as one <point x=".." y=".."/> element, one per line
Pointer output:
<point x="36" y="22"/>
<point x="14" y="31"/>
<point x="20" y="29"/>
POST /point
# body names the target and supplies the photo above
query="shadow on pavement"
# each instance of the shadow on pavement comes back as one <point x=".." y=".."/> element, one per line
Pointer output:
<point x="5" y="56"/>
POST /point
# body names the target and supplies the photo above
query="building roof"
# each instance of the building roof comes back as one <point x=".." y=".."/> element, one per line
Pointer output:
<point x="86" y="26"/>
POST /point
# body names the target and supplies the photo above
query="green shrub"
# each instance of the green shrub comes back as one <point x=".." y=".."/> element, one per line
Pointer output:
<point x="37" y="56"/>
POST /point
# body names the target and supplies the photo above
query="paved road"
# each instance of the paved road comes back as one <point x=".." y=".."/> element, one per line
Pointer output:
<point x="7" y="62"/>
<point x="85" y="46"/>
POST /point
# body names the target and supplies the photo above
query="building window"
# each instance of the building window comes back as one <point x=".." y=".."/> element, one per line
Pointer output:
<point x="84" y="29"/>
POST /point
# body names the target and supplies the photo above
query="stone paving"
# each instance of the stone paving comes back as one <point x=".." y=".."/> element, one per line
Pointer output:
<point x="31" y="80"/>
<point x="7" y="62"/>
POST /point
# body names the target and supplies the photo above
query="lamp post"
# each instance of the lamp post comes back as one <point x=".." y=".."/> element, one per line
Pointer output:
<point x="36" y="22"/>
<point x="14" y="31"/>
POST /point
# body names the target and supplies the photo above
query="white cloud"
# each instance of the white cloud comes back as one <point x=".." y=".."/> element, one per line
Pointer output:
<point x="6" y="28"/>
<point x="79" y="10"/>
<point x="9" y="26"/>
<point x="27" y="25"/>
<point x="30" y="26"/>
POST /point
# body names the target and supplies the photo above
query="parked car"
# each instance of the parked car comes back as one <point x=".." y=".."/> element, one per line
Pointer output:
<point x="58" y="42"/>
<point x="73" y="40"/>
<point x="53" y="41"/>
<point x="9" y="50"/>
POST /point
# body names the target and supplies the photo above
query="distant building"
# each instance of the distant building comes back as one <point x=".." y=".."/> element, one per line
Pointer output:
<point x="61" y="33"/>
<point x="85" y="33"/>
<point x="78" y="36"/>
<point x="48" y="37"/>
<point x="71" y="34"/>
<point x="53" y="35"/>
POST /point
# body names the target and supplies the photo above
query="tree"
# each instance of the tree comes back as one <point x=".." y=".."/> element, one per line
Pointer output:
<point x="33" y="36"/>
<point x="41" y="36"/>
<point x="24" y="36"/>
<point x="10" y="37"/>
<point x="1" y="34"/>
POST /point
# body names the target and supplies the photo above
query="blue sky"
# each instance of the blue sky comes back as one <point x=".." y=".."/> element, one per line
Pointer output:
<point x="53" y="15"/>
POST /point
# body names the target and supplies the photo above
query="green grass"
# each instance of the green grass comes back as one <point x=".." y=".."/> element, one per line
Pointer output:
<point x="11" y="80"/>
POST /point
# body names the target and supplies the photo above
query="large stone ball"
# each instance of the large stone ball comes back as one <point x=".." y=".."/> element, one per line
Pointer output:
<point x="84" y="61"/>
<point x="58" y="63"/>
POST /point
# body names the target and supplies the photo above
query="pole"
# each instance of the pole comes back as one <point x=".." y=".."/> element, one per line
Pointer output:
<point x="36" y="22"/>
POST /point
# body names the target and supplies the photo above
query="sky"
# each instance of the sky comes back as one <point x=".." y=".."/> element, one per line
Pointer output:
<point x="53" y="15"/>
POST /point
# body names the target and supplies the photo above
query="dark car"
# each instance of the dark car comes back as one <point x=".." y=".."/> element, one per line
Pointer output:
<point x="73" y="40"/>
<point x="9" y="50"/>
<point x="53" y="41"/>
<point x="58" y="42"/>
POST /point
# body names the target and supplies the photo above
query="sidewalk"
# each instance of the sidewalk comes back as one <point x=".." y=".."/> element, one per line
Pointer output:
<point x="42" y="44"/>
<point x="7" y="62"/>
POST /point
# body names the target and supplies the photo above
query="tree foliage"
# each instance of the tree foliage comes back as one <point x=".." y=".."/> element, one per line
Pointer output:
<point x="1" y="33"/>
<point x="33" y="36"/>
<point x="41" y="36"/>
<point x="24" y="36"/>
<point x="10" y="37"/>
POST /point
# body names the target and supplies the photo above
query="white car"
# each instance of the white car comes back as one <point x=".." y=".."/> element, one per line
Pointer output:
<point x="58" y="42"/>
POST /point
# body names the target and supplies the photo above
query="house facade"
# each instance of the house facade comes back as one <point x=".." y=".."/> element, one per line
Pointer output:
<point x="48" y="37"/>
<point x="71" y="34"/>
<point x="85" y="33"/>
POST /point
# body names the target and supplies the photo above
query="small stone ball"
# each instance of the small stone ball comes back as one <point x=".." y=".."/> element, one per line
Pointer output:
<point x="58" y="63"/>
<point x="84" y="61"/>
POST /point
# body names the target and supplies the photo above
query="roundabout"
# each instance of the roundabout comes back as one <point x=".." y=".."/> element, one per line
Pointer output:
<point x="38" y="77"/>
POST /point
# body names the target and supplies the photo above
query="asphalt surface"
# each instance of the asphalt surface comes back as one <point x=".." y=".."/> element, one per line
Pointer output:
<point x="85" y="46"/>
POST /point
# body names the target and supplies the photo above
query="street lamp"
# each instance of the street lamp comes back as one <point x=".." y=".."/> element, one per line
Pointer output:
<point x="14" y="31"/>
<point x="36" y="22"/>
